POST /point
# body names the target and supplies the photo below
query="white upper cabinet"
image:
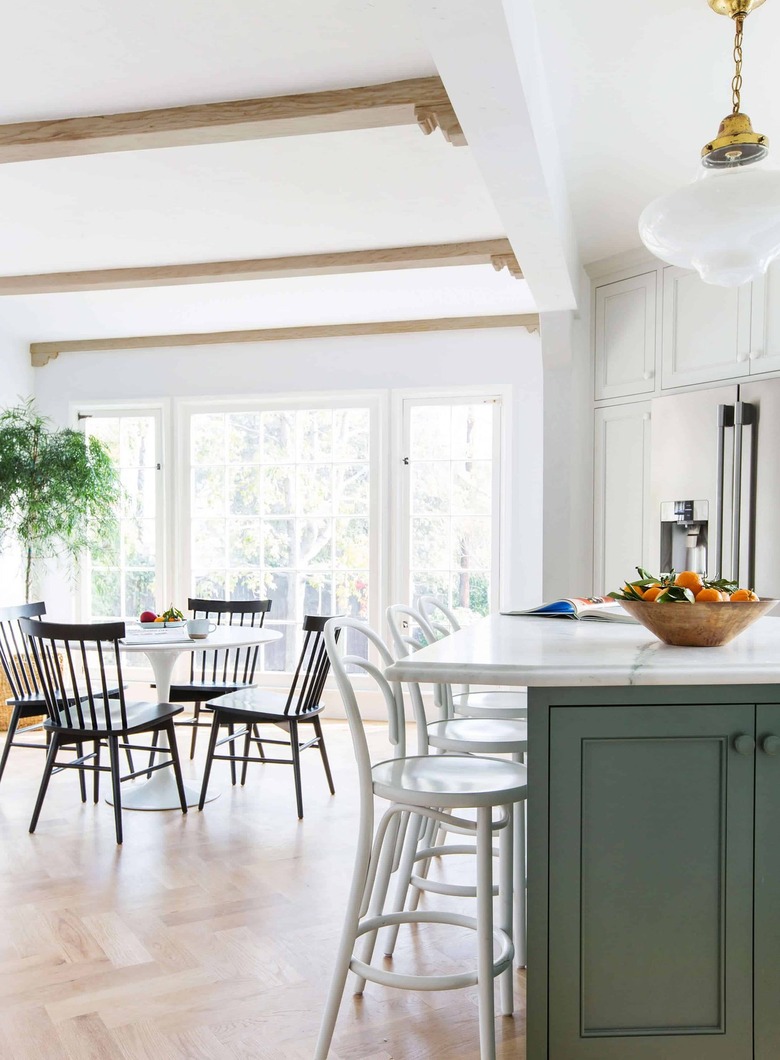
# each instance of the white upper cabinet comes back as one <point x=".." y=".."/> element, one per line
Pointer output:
<point x="706" y="330"/>
<point x="622" y="483"/>
<point x="765" y="332"/>
<point x="625" y="337"/>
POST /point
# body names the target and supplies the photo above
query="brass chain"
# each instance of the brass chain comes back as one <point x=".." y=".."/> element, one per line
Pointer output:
<point x="736" y="81"/>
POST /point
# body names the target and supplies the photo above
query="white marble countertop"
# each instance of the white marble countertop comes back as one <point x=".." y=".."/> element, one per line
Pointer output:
<point x="555" y="652"/>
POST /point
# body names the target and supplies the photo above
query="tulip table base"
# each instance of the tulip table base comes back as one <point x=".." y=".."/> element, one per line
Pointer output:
<point x="160" y="792"/>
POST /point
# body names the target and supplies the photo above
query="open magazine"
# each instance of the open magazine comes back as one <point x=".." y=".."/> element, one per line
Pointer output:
<point x="595" y="608"/>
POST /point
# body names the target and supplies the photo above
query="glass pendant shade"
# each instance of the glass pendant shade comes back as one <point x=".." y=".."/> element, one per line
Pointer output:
<point x="725" y="224"/>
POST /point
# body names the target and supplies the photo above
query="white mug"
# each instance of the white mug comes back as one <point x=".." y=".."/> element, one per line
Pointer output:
<point x="199" y="628"/>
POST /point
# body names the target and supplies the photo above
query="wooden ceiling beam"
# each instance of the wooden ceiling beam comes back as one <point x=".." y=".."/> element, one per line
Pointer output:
<point x="422" y="101"/>
<point x="43" y="352"/>
<point x="495" y="252"/>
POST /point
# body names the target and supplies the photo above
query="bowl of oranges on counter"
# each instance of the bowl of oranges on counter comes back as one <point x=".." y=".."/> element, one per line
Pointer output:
<point x="689" y="609"/>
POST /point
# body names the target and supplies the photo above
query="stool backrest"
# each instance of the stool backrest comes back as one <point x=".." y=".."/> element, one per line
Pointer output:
<point x="75" y="665"/>
<point x="439" y="617"/>
<point x="392" y="693"/>
<point x="409" y="632"/>
<point x="229" y="665"/>
<point x="15" y="658"/>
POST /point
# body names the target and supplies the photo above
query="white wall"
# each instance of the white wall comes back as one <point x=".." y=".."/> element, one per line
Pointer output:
<point x="16" y="385"/>
<point x="439" y="360"/>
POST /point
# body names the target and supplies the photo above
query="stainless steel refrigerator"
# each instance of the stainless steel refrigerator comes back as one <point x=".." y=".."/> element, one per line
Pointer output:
<point x="715" y="483"/>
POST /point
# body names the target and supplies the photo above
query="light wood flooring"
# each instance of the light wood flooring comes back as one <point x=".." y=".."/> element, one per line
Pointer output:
<point x="206" y="937"/>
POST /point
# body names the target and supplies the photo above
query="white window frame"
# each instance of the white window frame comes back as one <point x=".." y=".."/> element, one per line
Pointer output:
<point x="402" y="403"/>
<point x="375" y="401"/>
<point x="159" y="409"/>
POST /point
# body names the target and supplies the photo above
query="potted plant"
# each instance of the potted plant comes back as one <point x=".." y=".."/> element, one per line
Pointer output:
<point x="58" y="488"/>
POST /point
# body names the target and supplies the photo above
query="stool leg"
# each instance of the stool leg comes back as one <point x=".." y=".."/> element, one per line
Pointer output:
<point x="487" y="1038"/>
<point x="347" y="941"/>
<point x="519" y="932"/>
<point x="429" y="837"/>
<point x="411" y="842"/>
<point x="506" y="904"/>
<point x="378" y="895"/>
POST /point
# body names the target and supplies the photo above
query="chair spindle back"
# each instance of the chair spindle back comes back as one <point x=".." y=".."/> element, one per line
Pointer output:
<point x="312" y="669"/>
<point x="17" y="662"/>
<point x="227" y="665"/>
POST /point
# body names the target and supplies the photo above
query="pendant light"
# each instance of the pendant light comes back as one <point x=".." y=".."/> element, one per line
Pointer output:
<point x="726" y="223"/>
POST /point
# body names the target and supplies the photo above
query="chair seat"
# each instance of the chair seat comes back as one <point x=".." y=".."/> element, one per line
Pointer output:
<point x="256" y="704"/>
<point x="140" y="716"/>
<point x="491" y="704"/>
<point x="198" y="691"/>
<point x="480" y="735"/>
<point x="450" y="781"/>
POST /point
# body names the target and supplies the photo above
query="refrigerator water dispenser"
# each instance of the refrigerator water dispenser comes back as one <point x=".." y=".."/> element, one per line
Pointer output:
<point x="684" y="526"/>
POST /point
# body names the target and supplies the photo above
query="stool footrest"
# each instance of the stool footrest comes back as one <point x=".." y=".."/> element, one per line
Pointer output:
<point x="405" y="981"/>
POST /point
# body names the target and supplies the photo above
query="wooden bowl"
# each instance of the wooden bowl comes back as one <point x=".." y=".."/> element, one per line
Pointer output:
<point x="697" y="625"/>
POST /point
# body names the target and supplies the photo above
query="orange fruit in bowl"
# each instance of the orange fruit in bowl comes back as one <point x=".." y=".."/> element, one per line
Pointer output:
<point x="652" y="592"/>
<point x="689" y="579"/>
<point x="709" y="596"/>
<point x="743" y="595"/>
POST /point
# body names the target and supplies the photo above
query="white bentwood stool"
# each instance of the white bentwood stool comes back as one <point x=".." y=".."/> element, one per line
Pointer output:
<point x="427" y="787"/>
<point x="483" y="736"/>
<point x="494" y="703"/>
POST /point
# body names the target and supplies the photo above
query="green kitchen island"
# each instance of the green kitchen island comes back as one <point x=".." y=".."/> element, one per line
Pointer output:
<point x="653" y="834"/>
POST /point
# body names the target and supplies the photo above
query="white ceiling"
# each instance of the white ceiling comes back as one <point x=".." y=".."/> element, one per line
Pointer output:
<point x="637" y="88"/>
<point x="295" y="195"/>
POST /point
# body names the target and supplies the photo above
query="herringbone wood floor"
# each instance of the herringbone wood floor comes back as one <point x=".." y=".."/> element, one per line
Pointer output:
<point x="208" y="937"/>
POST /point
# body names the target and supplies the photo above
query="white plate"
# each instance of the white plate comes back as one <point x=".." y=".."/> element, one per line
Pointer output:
<point x="163" y="625"/>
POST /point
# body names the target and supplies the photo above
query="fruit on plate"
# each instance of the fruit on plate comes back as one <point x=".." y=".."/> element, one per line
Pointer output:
<point x="686" y="587"/>
<point x="148" y="616"/>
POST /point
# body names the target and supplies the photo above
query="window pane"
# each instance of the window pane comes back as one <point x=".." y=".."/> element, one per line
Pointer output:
<point x="280" y="509"/>
<point x="452" y="502"/>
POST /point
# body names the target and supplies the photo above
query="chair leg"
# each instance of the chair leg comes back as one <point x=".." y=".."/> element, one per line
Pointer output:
<point x="260" y="748"/>
<point x="247" y="745"/>
<point x="324" y="754"/>
<point x="505" y="906"/>
<point x="487" y="1035"/>
<point x="50" y="757"/>
<point x="232" y="746"/>
<point x="414" y="832"/>
<point x="346" y="943"/>
<point x="195" y="717"/>
<point x="171" y="730"/>
<point x="13" y="724"/>
<point x="82" y="776"/>
<point x="209" y="759"/>
<point x="113" y="752"/>
<point x="378" y="895"/>
<point x="295" y="747"/>
<point x="129" y="755"/>
<point x="152" y="756"/>
<point x="96" y="774"/>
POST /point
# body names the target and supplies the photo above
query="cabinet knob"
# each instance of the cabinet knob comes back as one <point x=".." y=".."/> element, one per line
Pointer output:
<point x="742" y="356"/>
<point x="770" y="745"/>
<point x="648" y="375"/>
<point x="745" y="744"/>
<point x="755" y="354"/>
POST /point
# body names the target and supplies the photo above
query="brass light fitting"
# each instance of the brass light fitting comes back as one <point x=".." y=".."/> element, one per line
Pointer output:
<point x="736" y="143"/>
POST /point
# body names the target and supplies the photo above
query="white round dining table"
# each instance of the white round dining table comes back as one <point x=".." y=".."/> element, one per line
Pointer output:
<point x="162" y="648"/>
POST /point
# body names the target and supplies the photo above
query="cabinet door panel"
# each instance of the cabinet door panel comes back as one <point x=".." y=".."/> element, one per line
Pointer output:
<point x="706" y="330"/>
<point x="622" y="452"/>
<point x="650" y="884"/>
<point x="626" y="337"/>
<point x="765" y="330"/>
<point x="767" y="917"/>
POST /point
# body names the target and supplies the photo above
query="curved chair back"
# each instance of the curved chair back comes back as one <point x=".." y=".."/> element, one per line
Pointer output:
<point x="230" y="665"/>
<point x="392" y="694"/>
<point x="410" y="631"/>
<point x="15" y="657"/>
<point x="440" y="617"/>
<point x="75" y="666"/>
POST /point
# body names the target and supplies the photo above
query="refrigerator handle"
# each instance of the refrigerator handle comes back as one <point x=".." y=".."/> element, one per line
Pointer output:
<point x="743" y="417"/>
<point x="725" y="420"/>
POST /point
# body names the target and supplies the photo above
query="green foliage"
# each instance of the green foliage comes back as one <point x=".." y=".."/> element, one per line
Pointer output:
<point x="58" y="489"/>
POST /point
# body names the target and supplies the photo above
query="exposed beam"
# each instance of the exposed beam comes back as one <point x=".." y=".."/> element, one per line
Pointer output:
<point x="497" y="252"/>
<point x="43" y="352"/>
<point x="421" y="100"/>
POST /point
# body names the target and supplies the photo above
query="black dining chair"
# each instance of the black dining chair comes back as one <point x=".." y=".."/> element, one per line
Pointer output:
<point x="76" y="665"/>
<point x="215" y="673"/>
<point x="27" y="699"/>
<point x="251" y="707"/>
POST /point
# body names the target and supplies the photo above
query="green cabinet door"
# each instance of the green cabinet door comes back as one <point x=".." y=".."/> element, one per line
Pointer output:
<point x="651" y="882"/>
<point x="767" y="898"/>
